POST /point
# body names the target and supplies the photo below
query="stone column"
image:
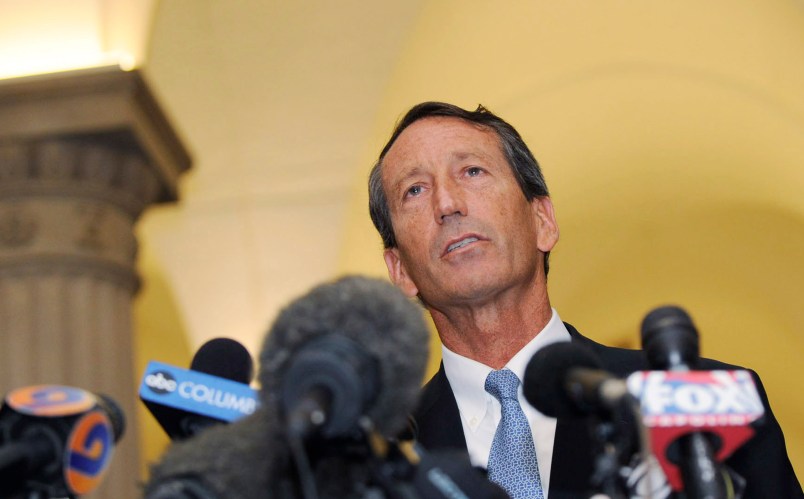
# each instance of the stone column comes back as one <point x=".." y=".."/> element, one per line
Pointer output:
<point x="82" y="154"/>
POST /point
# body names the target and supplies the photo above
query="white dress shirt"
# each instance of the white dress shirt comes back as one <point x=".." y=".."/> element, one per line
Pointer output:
<point x="481" y="412"/>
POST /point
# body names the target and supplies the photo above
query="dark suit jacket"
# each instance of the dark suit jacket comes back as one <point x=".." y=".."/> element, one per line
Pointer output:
<point x="762" y="461"/>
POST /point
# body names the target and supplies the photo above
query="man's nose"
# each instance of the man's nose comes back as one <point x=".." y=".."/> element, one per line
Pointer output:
<point x="448" y="200"/>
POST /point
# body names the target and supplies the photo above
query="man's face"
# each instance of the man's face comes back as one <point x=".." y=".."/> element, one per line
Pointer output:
<point x="465" y="231"/>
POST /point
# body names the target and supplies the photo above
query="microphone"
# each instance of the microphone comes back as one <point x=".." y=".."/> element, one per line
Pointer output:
<point x="697" y="418"/>
<point x="343" y="365"/>
<point x="56" y="441"/>
<point x="670" y="340"/>
<point x="565" y="380"/>
<point x="215" y="390"/>
<point x="224" y="358"/>
<point x="350" y="353"/>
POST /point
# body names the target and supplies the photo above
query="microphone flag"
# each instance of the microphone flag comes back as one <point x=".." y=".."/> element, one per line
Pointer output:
<point x="164" y="385"/>
<point x="674" y="403"/>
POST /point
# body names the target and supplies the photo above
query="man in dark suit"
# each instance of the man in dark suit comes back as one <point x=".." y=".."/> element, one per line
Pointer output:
<point x="468" y="226"/>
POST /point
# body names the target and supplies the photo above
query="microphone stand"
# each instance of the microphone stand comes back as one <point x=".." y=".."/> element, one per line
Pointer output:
<point x="614" y="437"/>
<point x="606" y="475"/>
<point x="303" y="470"/>
<point x="365" y="466"/>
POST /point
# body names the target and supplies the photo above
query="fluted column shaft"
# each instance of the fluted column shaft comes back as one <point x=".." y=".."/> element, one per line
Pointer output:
<point x="69" y="201"/>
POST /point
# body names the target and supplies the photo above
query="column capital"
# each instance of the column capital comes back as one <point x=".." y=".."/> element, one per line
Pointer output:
<point x="95" y="104"/>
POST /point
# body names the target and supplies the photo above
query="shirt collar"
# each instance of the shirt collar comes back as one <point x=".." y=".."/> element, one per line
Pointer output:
<point x="467" y="377"/>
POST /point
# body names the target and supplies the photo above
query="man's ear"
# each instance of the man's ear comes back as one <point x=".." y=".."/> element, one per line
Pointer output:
<point x="398" y="273"/>
<point x="548" y="226"/>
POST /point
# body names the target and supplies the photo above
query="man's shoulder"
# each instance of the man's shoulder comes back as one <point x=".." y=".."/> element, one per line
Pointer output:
<point x="433" y="391"/>
<point x="616" y="360"/>
<point x="624" y="361"/>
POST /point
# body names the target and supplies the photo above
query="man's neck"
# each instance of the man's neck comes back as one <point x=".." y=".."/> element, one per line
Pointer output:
<point x="493" y="332"/>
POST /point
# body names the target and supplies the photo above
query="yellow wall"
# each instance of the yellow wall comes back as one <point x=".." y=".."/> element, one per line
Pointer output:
<point x="160" y="336"/>
<point x="672" y="138"/>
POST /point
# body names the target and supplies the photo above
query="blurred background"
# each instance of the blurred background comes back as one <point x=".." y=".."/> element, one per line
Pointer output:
<point x="671" y="135"/>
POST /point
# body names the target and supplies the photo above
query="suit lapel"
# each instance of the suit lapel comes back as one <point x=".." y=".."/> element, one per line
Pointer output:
<point x="437" y="421"/>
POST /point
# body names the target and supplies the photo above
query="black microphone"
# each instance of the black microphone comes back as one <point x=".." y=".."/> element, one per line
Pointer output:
<point x="343" y="365"/>
<point x="670" y="339"/>
<point x="670" y="342"/>
<point x="346" y="357"/>
<point x="350" y="351"/>
<point x="56" y="441"/>
<point x="213" y="391"/>
<point x="224" y="358"/>
<point x="565" y="380"/>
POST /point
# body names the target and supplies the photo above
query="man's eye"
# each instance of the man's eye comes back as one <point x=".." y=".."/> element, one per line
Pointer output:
<point x="413" y="191"/>
<point x="474" y="171"/>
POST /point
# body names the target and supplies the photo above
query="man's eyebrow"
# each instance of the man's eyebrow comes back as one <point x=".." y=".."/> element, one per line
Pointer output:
<point x="464" y="155"/>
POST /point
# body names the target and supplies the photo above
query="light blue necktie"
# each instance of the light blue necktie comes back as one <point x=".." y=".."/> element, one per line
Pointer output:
<point x="512" y="460"/>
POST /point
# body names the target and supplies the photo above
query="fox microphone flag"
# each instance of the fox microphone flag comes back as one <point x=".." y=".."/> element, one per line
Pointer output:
<point x="676" y="403"/>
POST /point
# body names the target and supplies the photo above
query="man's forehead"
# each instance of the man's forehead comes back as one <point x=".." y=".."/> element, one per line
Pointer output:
<point x="430" y="124"/>
<point x="443" y="135"/>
